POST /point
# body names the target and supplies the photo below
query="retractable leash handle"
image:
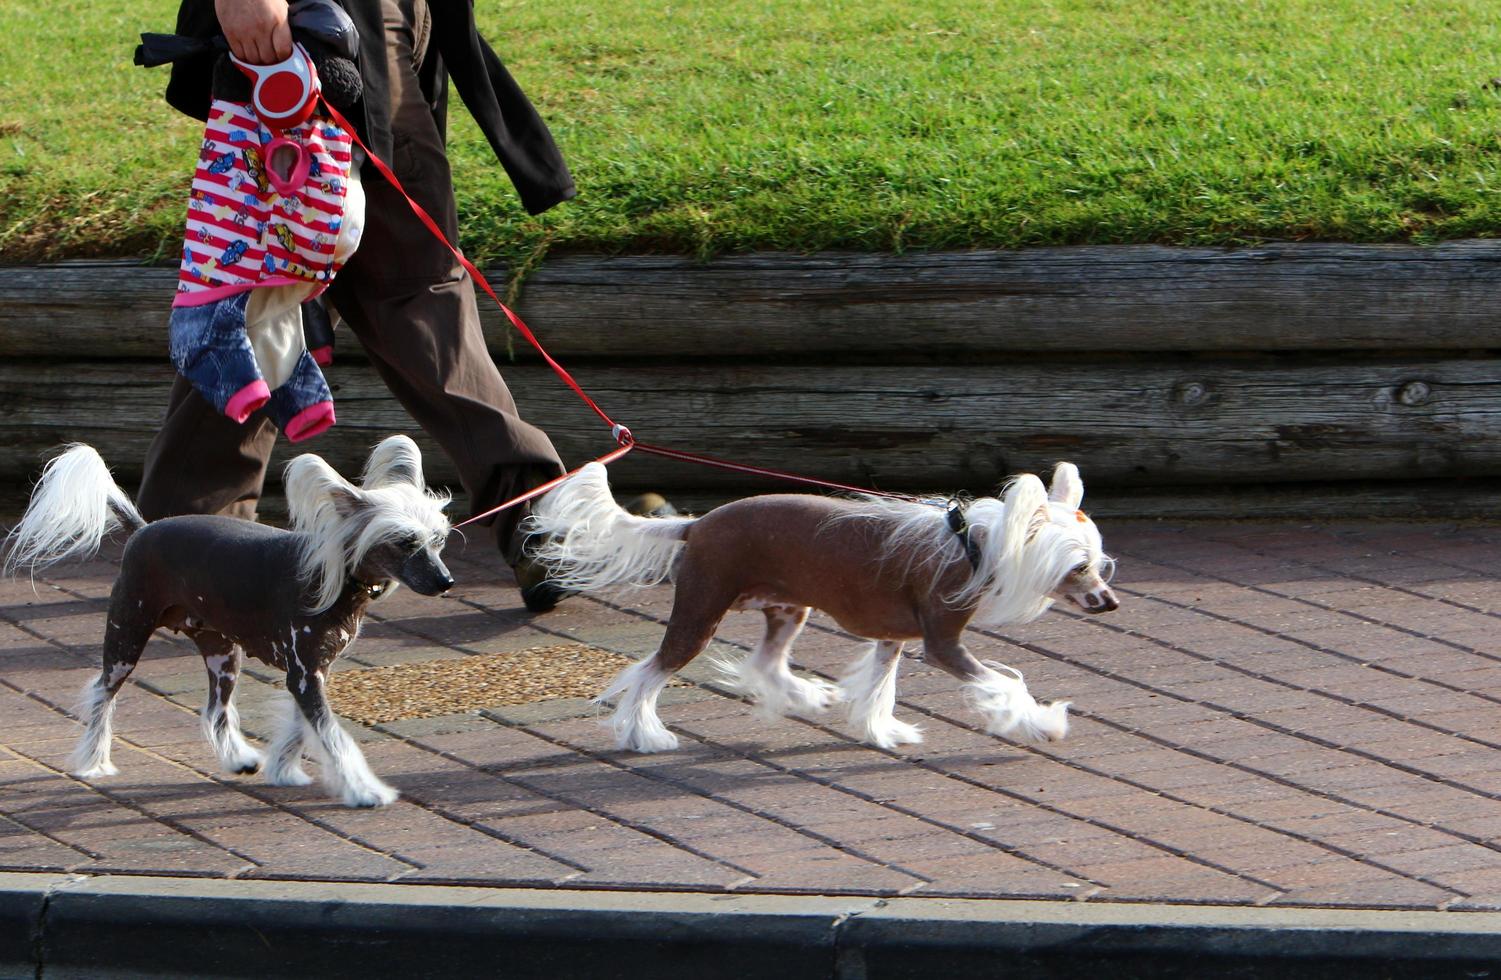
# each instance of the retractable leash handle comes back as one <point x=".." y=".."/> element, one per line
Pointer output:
<point x="285" y="94"/>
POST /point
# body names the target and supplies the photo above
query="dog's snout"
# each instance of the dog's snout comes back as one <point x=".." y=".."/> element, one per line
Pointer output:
<point x="1101" y="602"/>
<point x="442" y="578"/>
<point x="425" y="574"/>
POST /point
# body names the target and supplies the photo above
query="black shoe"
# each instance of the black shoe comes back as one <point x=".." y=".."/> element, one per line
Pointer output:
<point x="544" y="597"/>
<point x="538" y="593"/>
<point x="651" y="505"/>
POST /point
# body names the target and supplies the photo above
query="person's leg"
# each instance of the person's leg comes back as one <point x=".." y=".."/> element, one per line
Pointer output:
<point x="201" y="462"/>
<point x="413" y="307"/>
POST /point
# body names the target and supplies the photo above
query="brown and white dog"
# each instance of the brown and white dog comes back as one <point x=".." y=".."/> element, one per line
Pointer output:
<point x="886" y="569"/>
<point x="293" y="599"/>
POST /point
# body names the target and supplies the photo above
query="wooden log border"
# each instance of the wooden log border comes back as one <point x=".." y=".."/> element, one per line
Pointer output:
<point x="1163" y="372"/>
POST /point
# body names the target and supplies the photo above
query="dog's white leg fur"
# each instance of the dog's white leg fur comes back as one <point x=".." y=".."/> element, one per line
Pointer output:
<point x="221" y="721"/>
<point x="869" y="685"/>
<point x="284" y="767"/>
<point x="96" y="709"/>
<point x="343" y="768"/>
<point x="1009" y="707"/>
<point x="768" y="680"/>
<point x="221" y="726"/>
<point x="635" y="722"/>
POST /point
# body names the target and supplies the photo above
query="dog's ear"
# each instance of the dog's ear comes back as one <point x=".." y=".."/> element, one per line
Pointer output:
<point x="1067" y="488"/>
<point x="1026" y="506"/>
<point x="396" y="460"/>
<point x="312" y="485"/>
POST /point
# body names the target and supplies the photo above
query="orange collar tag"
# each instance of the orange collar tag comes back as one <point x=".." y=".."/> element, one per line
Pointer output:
<point x="1079" y="516"/>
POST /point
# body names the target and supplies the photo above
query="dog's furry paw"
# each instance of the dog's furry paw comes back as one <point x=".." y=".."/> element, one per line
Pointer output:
<point x="646" y="741"/>
<point x="1050" y="724"/>
<point x="291" y="776"/>
<point x="777" y="692"/>
<point x="246" y="763"/>
<point x="729" y="673"/>
<point x="892" y="733"/>
<point x="365" y="797"/>
<point x="812" y="696"/>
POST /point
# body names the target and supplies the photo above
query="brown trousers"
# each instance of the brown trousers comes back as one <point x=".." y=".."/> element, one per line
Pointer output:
<point x="413" y="309"/>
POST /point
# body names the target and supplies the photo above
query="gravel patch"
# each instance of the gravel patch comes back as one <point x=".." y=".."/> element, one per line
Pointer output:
<point x="445" y="687"/>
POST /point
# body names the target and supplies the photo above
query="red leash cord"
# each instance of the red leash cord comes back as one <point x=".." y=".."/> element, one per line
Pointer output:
<point x="725" y="464"/>
<point x="620" y="433"/>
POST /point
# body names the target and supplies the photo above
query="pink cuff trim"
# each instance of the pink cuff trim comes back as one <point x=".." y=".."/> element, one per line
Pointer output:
<point x="310" y="422"/>
<point x="323" y="356"/>
<point x="247" y="400"/>
<point x="203" y="295"/>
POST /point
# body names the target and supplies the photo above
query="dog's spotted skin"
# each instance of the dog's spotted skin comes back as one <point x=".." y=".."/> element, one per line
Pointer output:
<point x="237" y="588"/>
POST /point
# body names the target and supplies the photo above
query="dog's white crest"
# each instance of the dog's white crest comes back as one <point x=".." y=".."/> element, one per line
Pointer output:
<point x="1023" y="555"/>
<point x="1026" y="544"/>
<point x="589" y="542"/>
<point x="341" y="523"/>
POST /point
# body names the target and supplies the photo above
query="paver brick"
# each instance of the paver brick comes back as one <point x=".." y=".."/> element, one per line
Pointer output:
<point x="1232" y="746"/>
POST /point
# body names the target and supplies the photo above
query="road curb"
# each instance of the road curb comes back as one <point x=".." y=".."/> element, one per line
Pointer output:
<point x="119" y="926"/>
<point x="23" y="900"/>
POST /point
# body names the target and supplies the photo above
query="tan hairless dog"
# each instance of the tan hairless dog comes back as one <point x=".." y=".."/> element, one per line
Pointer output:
<point x="885" y="569"/>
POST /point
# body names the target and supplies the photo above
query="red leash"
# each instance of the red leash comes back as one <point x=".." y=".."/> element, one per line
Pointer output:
<point x="620" y="433"/>
<point x="725" y="464"/>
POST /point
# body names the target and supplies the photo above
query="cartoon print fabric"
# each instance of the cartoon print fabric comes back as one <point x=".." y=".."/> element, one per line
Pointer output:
<point x="271" y="218"/>
<point x="265" y="209"/>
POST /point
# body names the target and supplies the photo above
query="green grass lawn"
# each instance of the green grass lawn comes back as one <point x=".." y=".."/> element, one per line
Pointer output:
<point x="721" y="125"/>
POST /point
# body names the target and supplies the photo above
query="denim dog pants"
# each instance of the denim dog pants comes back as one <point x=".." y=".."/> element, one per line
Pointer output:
<point x="209" y="347"/>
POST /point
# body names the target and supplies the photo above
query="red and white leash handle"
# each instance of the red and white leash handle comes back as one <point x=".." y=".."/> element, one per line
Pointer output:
<point x="285" y="94"/>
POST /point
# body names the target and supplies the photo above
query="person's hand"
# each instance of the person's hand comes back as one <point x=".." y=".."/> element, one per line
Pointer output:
<point x="256" y="30"/>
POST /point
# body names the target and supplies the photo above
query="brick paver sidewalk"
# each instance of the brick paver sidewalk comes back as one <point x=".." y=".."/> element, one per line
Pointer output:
<point x="1278" y="714"/>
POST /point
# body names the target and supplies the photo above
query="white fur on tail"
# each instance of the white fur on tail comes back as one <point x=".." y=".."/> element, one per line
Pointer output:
<point x="74" y="505"/>
<point x="591" y="543"/>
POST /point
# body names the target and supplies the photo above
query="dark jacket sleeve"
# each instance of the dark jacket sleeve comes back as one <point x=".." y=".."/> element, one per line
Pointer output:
<point x="190" y="87"/>
<point x="516" y="132"/>
<point x="192" y="79"/>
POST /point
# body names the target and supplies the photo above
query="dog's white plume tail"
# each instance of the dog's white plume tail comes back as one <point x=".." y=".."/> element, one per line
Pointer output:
<point x="588" y="542"/>
<point x="73" y="506"/>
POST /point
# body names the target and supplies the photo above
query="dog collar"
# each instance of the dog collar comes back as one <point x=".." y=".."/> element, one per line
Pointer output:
<point x="954" y="511"/>
<point x="373" y="591"/>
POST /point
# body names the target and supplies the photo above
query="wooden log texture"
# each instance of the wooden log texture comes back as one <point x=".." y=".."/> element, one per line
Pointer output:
<point x="1295" y="297"/>
<point x="1127" y="423"/>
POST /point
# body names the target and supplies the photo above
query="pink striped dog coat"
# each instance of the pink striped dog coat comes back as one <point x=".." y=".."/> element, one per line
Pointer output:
<point x="265" y="209"/>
